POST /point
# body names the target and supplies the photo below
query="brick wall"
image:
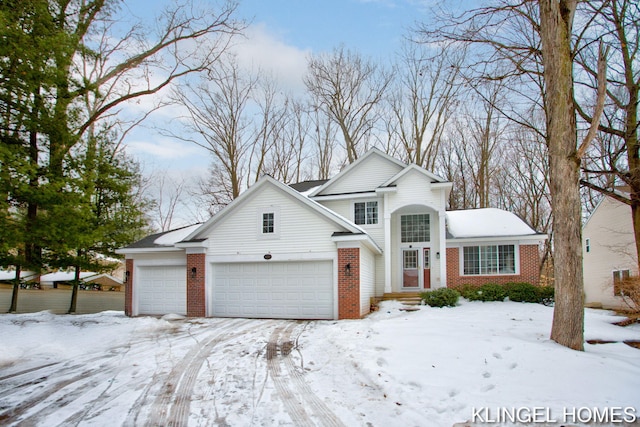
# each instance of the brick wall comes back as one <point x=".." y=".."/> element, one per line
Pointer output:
<point x="349" y="283"/>
<point x="529" y="269"/>
<point x="196" y="285"/>
<point x="128" y="289"/>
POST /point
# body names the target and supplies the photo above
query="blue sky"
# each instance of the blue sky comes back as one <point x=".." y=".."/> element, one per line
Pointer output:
<point x="280" y="37"/>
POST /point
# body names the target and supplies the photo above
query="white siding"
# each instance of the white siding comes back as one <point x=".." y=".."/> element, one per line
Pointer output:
<point x="414" y="194"/>
<point x="612" y="247"/>
<point x="367" y="279"/>
<point x="369" y="174"/>
<point x="414" y="188"/>
<point x="379" y="275"/>
<point x="345" y="208"/>
<point x="302" y="230"/>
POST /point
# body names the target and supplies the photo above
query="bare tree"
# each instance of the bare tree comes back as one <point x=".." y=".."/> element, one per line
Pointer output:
<point x="544" y="44"/>
<point x="217" y="121"/>
<point x="556" y="30"/>
<point x="422" y="101"/>
<point x="168" y="198"/>
<point x="290" y="151"/>
<point x="614" y="159"/>
<point x="348" y="88"/>
<point x="323" y="136"/>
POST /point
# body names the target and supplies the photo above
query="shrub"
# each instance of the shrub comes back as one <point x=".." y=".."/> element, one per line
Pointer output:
<point x="468" y="291"/>
<point x="546" y="295"/>
<point x="522" y="292"/>
<point x="491" y="292"/>
<point x="441" y="297"/>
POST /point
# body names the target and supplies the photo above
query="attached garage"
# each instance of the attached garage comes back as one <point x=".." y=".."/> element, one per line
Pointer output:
<point x="161" y="290"/>
<point x="288" y="290"/>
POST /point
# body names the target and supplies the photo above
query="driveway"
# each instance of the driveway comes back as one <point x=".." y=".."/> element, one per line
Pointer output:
<point x="197" y="372"/>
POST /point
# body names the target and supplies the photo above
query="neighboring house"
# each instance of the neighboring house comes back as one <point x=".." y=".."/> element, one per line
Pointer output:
<point x="609" y="252"/>
<point x="89" y="280"/>
<point x="323" y="249"/>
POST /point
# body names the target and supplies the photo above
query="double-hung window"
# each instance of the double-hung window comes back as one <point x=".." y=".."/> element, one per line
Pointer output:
<point x="268" y="223"/>
<point x="365" y="213"/>
<point x="489" y="259"/>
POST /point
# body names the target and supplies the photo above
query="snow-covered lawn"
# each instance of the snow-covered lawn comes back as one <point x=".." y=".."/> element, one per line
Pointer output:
<point x="432" y="367"/>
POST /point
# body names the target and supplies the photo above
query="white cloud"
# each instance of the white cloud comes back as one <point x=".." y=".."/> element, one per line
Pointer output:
<point x="263" y="50"/>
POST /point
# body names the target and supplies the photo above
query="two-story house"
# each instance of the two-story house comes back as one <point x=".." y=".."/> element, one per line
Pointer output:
<point x="323" y="249"/>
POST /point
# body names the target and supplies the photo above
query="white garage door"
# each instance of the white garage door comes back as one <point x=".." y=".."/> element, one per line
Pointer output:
<point x="289" y="290"/>
<point x="162" y="290"/>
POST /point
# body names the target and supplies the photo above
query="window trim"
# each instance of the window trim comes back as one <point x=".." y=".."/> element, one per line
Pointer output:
<point x="275" y="210"/>
<point x="378" y="222"/>
<point x="516" y="258"/>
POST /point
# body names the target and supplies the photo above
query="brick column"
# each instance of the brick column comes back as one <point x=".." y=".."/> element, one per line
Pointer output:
<point x="128" y="288"/>
<point x="196" y="304"/>
<point x="349" y="283"/>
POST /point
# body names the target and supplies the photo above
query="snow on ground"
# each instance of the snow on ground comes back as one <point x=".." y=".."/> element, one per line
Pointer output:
<point x="432" y="367"/>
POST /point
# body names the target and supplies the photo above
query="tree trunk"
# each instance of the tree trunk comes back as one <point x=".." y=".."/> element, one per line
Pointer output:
<point x="556" y="19"/>
<point x="74" y="291"/>
<point x="14" y="293"/>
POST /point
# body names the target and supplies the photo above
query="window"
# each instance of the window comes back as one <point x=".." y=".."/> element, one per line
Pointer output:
<point x="268" y="223"/>
<point x="410" y="260"/>
<point x="587" y="243"/>
<point x="365" y="213"/>
<point x="491" y="259"/>
<point x="415" y="228"/>
<point x="618" y="277"/>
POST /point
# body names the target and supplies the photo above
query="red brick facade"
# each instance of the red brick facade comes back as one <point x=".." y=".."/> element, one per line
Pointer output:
<point x="529" y="269"/>
<point x="128" y="288"/>
<point x="349" y="283"/>
<point x="196" y="304"/>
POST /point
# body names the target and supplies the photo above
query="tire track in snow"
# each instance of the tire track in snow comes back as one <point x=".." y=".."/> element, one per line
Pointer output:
<point x="292" y="384"/>
<point x="172" y="406"/>
<point x="317" y="406"/>
<point x="292" y="405"/>
<point x="39" y="398"/>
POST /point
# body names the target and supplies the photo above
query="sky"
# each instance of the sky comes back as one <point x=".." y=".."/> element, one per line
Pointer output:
<point x="280" y="36"/>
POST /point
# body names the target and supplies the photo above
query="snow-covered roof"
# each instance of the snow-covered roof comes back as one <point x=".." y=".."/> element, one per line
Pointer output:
<point x="65" y="276"/>
<point x="486" y="222"/>
<point x="11" y="275"/>
<point x="175" y="236"/>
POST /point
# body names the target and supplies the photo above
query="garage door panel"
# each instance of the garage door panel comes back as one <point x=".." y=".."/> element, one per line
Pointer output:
<point x="273" y="290"/>
<point x="161" y="290"/>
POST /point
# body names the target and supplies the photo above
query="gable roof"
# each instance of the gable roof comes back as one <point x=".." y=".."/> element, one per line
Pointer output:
<point x="413" y="167"/>
<point x="347" y="169"/>
<point x="268" y="180"/>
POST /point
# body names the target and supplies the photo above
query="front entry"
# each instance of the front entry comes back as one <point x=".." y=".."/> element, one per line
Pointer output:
<point x="410" y="276"/>
<point x="416" y="268"/>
